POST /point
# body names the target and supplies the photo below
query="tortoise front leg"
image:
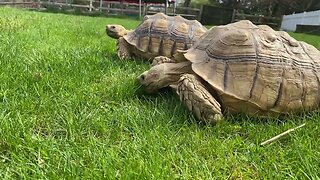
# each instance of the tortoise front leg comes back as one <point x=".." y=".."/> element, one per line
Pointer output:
<point x="123" y="49"/>
<point x="198" y="99"/>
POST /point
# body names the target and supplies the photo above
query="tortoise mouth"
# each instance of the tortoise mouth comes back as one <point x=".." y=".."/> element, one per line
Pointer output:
<point x="110" y="33"/>
<point x="147" y="87"/>
<point x="150" y="89"/>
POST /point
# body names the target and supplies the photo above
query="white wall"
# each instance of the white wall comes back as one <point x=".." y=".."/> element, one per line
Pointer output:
<point x="289" y="22"/>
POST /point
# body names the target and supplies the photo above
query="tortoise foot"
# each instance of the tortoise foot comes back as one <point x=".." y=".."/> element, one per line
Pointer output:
<point x="198" y="100"/>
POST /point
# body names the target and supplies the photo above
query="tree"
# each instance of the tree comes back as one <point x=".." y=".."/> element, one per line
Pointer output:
<point x="292" y="6"/>
<point x="268" y="7"/>
<point x="186" y="3"/>
<point x="232" y="4"/>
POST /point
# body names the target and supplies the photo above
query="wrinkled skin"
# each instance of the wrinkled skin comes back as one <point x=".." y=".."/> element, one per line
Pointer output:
<point x="116" y="31"/>
<point x="163" y="75"/>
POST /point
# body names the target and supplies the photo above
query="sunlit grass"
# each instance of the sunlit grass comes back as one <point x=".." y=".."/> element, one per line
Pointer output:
<point x="69" y="108"/>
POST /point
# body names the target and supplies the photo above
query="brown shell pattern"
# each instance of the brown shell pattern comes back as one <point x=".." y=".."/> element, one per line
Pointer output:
<point x="160" y="34"/>
<point x="258" y="70"/>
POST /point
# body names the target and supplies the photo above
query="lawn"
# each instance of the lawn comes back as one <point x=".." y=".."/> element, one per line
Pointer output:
<point x="69" y="108"/>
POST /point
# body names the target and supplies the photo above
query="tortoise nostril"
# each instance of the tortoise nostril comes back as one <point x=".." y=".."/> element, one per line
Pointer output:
<point x="142" y="77"/>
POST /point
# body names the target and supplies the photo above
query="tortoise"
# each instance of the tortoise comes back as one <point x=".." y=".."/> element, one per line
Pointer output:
<point x="157" y="35"/>
<point x="241" y="67"/>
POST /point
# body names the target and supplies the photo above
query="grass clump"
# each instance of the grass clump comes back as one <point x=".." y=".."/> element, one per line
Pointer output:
<point x="69" y="108"/>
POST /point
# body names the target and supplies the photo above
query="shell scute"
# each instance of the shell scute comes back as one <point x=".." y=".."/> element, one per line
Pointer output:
<point x="160" y="25"/>
<point x="179" y="33"/>
<point x="266" y="85"/>
<point x="167" y="44"/>
<point x="235" y="37"/>
<point x="290" y="95"/>
<point x="154" y="45"/>
<point x="232" y="43"/>
<point x="143" y="43"/>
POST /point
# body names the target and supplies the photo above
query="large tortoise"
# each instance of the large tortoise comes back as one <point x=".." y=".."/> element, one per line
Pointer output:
<point x="157" y="35"/>
<point x="242" y="67"/>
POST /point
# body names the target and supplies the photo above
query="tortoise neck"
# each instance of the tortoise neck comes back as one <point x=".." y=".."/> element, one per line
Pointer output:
<point x="127" y="32"/>
<point x="173" y="71"/>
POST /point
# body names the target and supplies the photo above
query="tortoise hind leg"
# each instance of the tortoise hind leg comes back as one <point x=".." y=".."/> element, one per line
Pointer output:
<point x="198" y="99"/>
<point x="162" y="59"/>
<point x="123" y="49"/>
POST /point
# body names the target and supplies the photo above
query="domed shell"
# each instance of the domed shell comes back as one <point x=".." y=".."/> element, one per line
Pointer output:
<point x="258" y="70"/>
<point x="160" y="34"/>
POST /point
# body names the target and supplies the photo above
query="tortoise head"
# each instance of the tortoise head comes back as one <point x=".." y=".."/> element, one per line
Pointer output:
<point x="116" y="31"/>
<point x="163" y="75"/>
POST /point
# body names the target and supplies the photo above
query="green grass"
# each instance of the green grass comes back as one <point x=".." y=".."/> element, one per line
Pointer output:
<point x="69" y="109"/>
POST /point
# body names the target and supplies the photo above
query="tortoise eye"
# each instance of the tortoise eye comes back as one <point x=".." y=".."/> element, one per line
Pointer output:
<point x="112" y="27"/>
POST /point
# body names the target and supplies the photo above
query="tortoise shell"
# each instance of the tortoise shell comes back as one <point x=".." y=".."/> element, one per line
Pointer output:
<point x="257" y="70"/>
<point x="160" y="34"/>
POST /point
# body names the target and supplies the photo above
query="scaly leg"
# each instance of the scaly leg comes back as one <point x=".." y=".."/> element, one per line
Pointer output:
<point x="123" y="49"/>
<point x="198" y="99"/>
<point x="162" y="59"/>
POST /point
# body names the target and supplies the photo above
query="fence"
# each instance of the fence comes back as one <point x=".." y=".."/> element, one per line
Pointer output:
<point x="94" y="6"/>
<point x="186" y="12"/>
<point x="212" y="15"/>
<point x="290" y="22"/>
<point x="23" y="4"/>
<point x="107" y="7"/>
<point x="273" y="22"/>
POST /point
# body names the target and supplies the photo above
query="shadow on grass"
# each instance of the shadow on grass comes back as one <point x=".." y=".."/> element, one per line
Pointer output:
<point x="240" y="119"/>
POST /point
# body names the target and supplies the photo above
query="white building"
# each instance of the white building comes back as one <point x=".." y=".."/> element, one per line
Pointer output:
<point x="290" y="22"/>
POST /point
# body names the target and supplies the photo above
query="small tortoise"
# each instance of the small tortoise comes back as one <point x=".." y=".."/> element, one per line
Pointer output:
<point x="242" y="67"/>
<point x="157" y="35"/>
